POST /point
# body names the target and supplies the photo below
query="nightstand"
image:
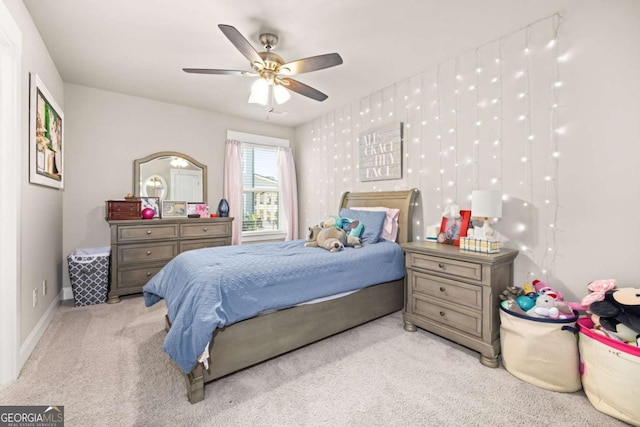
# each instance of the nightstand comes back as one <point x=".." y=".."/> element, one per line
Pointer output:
<point x="455" y="294"/>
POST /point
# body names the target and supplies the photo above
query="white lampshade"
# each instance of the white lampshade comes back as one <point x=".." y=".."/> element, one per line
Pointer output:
<point x="486" y="204"/>
<point x="259" y="92"/>
<point x="280" y="94"/>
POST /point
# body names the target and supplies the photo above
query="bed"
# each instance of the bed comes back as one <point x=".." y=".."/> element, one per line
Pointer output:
<point x="236" y="342"/>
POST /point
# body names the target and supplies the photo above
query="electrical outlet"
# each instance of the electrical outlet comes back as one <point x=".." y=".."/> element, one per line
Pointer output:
<point x="35" y="297"/>
<point x="44" y="287"/>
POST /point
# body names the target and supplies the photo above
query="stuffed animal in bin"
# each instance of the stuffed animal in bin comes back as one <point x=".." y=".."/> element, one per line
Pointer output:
<point x="619" y="306"/>
<point x="547" y="307"/>
<point x="333" y="239"/>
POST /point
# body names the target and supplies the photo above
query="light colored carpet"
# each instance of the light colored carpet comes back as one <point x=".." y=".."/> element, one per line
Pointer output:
<point x="104" y="363"/>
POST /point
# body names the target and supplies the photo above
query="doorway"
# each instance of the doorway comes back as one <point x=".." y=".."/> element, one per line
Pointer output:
<point x="10" y="172"/>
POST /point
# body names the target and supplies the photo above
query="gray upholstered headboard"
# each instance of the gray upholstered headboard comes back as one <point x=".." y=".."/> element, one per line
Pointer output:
<point x="404" y="200"/>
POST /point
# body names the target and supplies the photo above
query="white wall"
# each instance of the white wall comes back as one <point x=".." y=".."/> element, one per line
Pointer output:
<point x="106" y="131"/>
<point x="40" y="207"/>
<point x="589" y="193"/>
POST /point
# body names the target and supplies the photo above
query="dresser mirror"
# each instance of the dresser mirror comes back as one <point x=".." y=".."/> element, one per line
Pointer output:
<point x="170" y="175"/>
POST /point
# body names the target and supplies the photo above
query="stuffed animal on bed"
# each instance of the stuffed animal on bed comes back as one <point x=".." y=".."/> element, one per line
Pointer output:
<point x="353" y="227"/>
<point x="333" y="239"/>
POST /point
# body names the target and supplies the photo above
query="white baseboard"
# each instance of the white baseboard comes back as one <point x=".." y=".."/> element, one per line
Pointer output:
<point x="67" y="293"/>
<point x="34" y="337"/>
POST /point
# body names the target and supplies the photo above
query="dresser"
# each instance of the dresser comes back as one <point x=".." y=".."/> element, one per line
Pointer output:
<point x="141" y="247"/>
<point x="455" y="294"/>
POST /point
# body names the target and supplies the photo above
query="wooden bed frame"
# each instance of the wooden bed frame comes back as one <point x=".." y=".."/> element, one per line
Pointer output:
<point x="263" y="337"/>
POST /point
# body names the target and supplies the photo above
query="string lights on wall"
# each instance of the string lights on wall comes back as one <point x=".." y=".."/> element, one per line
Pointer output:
<point x="473" y="122"/>
<point x="552" y="200"/>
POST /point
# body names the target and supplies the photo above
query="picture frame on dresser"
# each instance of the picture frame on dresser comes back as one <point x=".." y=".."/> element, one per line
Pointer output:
<point x="46" y="132"/>
<point x="174" y="208"/>
<point x="199" y="208"/>
<point x="451" y="229"/>
<point x="151" y="203"/>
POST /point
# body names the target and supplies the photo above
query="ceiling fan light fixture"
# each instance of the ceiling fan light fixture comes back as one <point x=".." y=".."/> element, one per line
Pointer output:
<point x="280" y="94"/>
<point x="272" y="69"/>
<point x="259" y="92"/>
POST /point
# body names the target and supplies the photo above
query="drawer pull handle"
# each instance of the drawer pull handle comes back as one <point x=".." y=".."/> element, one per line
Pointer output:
<point x="442" y="289"/>
<point x="442" y="313"/>
<point x="148" y="273"/>
<point x="204" y="228"/>
<point x="148" y="252"/>
<point x="441" y="265"/>
<point x="148" y="232"/>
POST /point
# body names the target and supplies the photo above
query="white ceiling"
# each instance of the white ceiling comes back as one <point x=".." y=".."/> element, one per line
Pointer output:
<point x="139" y="47"/>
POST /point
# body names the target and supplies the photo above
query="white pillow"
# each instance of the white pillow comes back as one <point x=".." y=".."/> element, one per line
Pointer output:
<point x="390" y="227"/>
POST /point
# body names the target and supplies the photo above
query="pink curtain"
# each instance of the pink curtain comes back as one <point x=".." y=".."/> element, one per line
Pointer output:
<point x="233" y="187"/>
<point x="288" y="192"/>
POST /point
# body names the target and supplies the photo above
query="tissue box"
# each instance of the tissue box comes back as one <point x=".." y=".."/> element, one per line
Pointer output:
<point x="479" y="245"/>
<point x="432" y="232"/>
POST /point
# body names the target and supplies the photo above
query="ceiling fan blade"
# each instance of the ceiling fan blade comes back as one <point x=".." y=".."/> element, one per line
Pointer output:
<point x="241" y="44"/>
<point x="303" y="89"/>
<point x="312" y="63"/>
<point x="213" y="71"/>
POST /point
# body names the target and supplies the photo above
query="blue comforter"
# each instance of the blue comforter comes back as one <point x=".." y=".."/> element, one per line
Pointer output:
<point x="209" y="288"/>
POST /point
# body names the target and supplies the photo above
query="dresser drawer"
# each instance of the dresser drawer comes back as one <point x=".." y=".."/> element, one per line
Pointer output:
<point x="188" y="245"/>
<point x="135" y="254"/>
<point x="447" y="266"/>
<point x="463" y="320"/>
<point x="448" y="290"/>
<point x="129" y="277"/>
<point x="134" y="233"/>
<point x="221" y="229"/>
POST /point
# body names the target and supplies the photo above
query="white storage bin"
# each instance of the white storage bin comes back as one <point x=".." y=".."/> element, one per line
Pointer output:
<point x="542" y="352"/>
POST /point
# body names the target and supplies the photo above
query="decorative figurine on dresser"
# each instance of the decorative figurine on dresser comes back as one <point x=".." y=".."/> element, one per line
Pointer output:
<point x="141" y="247"/>
<point x="455" y="294"/>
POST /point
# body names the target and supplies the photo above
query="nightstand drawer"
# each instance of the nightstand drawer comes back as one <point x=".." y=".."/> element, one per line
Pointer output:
<point x="188" y="245"/>
<point x="205" y="230"/>
<point x="465" y="321"/>
<point x="149" y="232"/>
<point x="132" y="254"/>
<point x="451" y="267"/>
<point x="447" y="290"/>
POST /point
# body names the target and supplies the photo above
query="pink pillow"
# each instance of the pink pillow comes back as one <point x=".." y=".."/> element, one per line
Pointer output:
<point x="390" y="227"/>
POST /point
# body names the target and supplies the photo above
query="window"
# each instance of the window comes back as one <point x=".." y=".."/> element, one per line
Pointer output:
<point x="261" y="192"/>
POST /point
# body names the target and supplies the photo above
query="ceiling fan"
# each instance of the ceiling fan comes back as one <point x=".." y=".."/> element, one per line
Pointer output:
<point x="272" y="70"/>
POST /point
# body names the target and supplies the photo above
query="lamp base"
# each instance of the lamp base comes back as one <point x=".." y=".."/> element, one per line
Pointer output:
<point x="486" y="232"/>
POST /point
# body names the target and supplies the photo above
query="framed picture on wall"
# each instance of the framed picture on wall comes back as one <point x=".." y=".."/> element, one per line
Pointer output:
<point x="152" y="203"/>
<point x="174" y="209"/>
<point x="46" y="136"/>
<point x="451" y="229"/>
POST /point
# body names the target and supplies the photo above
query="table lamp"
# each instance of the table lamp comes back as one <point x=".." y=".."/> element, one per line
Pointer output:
<point x="485" y="204"/>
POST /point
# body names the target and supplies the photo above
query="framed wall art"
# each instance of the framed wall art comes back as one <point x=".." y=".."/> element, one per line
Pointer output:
<point x="152" y="203"/>
<point x="451" y="229"/>
<point x="46" y="136"/>
<point x="174" y="209"/>
<point x="381" y="153"/>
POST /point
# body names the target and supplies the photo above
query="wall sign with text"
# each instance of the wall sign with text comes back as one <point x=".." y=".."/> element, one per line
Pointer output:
<point x="381" y="153"/>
